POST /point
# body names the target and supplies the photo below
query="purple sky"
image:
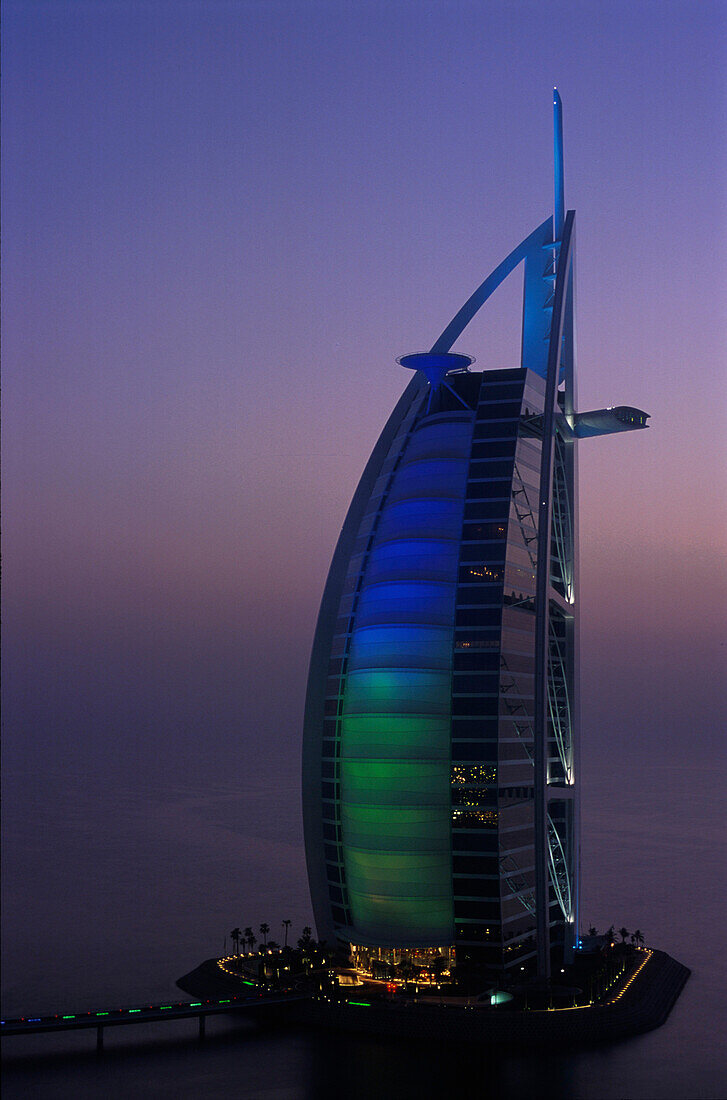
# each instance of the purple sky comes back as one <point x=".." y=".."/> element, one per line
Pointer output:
<point x="222" y="223"/>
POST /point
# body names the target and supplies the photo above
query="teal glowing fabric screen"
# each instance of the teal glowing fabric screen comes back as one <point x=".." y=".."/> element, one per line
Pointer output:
<point x="396" y="725"/>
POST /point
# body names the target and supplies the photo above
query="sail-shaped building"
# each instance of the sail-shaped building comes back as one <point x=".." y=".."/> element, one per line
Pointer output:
<point x="440" y="761"/>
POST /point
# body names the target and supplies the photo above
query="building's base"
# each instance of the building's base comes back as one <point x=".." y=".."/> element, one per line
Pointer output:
<point x="643" y="1006"/>
<point x="641" y="1003"/>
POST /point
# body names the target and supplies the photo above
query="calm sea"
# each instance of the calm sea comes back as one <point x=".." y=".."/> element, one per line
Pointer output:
<point x="114" y="888"/>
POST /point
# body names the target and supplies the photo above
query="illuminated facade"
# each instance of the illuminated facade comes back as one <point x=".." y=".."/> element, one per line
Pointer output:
<point x="441" y="728"/>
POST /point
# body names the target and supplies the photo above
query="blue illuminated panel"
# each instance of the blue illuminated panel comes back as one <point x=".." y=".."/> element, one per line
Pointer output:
<point x="396" y="714"/>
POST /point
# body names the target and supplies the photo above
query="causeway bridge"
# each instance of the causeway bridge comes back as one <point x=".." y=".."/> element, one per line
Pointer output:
<point x="144" y="1014"/>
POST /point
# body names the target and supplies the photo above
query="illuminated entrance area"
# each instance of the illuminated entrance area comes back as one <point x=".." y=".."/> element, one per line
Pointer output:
<point x="424" y="965"/>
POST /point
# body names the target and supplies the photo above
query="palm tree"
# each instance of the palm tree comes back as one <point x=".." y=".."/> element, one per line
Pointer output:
<point x="440" y="964"/>
<point x="248" y="937"/>
<point x="639" y="937"/>
<point x="305" y="940"/>
<point x="264" y="929"/>
<point x="235" y="935"/>
<point x="406" y="969"/>
<point x="272" y="945"/>
<point x="623" y="933"/>
<point x="251" y="939"/>
<point x="286" y="926"/>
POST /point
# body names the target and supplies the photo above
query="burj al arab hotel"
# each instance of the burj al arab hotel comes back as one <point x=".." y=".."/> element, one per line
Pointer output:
<point x="440" y="759"/>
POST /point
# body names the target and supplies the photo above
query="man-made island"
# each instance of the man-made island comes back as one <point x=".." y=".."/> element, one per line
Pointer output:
<point x="610" y="991"/>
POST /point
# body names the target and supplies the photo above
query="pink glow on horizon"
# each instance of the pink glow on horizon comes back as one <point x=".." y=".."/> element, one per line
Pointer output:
<point x="222" y="226"/>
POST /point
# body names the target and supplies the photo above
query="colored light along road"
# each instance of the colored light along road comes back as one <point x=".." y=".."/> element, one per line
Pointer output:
<point x="179" y="1010"/>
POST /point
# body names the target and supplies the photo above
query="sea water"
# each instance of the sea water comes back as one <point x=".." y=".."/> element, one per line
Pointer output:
<point x="114" y="887"/>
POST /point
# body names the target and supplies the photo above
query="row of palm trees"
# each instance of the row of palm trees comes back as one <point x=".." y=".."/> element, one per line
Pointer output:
<point x="637" y="937"/>
<point x="247" y="936"/>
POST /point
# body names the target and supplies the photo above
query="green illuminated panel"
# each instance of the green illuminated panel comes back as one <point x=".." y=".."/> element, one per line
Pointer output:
<point x="396" y="736"/>
<point x="397" y="871"/>
<point x="406" y="829"/>
<point x="396" y="724"/>
<point x="387" y="783"/>
<point x="400" y="691"/>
